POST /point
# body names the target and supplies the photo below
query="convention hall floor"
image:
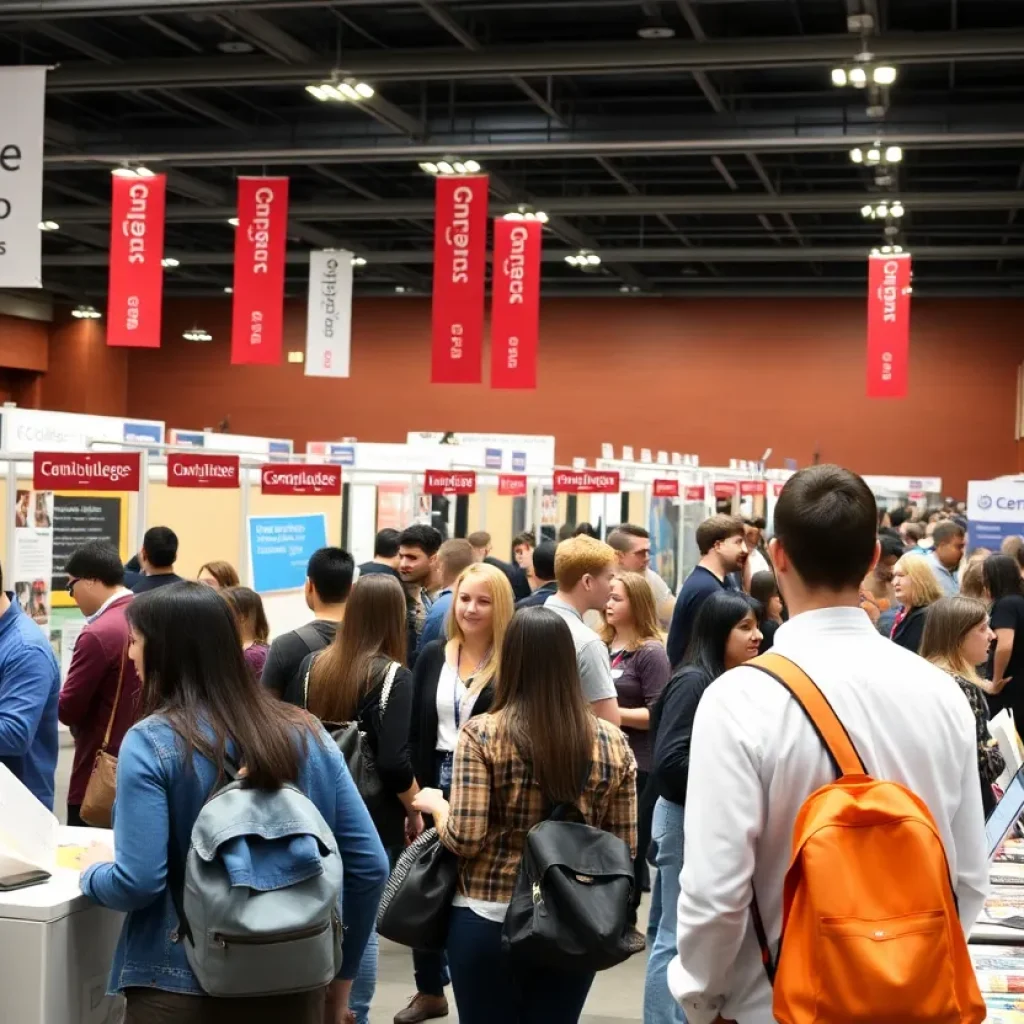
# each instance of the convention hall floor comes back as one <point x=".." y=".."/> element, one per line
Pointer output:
<point x="617" y="995"/>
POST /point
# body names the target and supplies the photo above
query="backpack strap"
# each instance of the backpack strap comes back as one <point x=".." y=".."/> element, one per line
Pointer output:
<point x="389" y="682"/>
<point x="815" y="705"/>
<point x="312" y="640"/>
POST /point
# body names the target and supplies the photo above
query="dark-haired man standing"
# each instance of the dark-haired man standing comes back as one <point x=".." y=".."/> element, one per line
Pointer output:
<point x="385" y="554"/>
<point x="157" y="557"/>
<point x="755" y="757"/>
<point x="946" y="555"/>
<point x="418" y="546"/>
<point x="101" y="672"/>
<point x="542" y="576"/>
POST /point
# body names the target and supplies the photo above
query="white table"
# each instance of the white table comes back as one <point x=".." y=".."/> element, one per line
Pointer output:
<point x="56" y="947"/>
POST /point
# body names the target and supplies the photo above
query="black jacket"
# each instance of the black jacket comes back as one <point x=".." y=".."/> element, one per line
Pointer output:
<point x="672" y="722"/>
<point x="516" y="577"/>
<point x="539" y="596"/>
<point x="910" y="631"/>
<point x="423" y="728"/>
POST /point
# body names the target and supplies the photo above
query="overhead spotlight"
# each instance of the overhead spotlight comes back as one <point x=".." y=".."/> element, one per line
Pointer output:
<point x="583" y="259"/>
<point x="897" y="210"/>
<point x="514" y="215"/>
<point x="229" y="290"/>
<point x="873" y="156"/>
<point x="86" y="313"/>
<point x="132" y="172"/>
<point x="884" y="74"/>
<point x="655" y="27"/>
<point x="428" y="168"/>
<point x="542" y="217"/>
<point x="450" y="165"/>
<point x="400" y="289"/>
<point x="839" y="77"/>
<point x="525" y="212"/>
<point x="857" y="155"/>
<point x="49" y="225"/>
<point x="197" y="334"/>
<point x="341" y="92"/>
<point x="233" y="221"/>
<point x="348" y="91"/>
<point x="365" y="90"/>
<point x="143" y="172"/>
<point x="170" y="261"/>
<point x="858" y="77"/>
<point x="472" y="167"/>
<point x="459" y="167"/>
<point x="319" y="92"/>
<point x="629" y="289"/>
<point x="893" y="154"/>
<point x="867" y="211"/>
<point x="444" y="167"/>
<point x="358" y="261"/>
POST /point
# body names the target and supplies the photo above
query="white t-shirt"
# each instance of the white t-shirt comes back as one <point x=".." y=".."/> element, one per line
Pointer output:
<point x="758" y="563"/>
<point x="450" y="688"/>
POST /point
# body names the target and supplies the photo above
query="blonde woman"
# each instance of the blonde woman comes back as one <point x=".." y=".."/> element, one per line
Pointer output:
<point x="453" y="681"/>
<point x="916" y="588"/>
<point x="640" y="670"/>
<point x="957" y="638"/>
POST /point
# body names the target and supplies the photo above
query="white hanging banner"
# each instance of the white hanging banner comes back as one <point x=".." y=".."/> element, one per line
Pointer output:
<point x="22" y="104"/>
<point x="329" y="316"/>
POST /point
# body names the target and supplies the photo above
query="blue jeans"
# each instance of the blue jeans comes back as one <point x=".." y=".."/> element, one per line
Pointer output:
<point x="365" y="985"/>
<point x="489" y="989"/>
<point x="667" y="834"/>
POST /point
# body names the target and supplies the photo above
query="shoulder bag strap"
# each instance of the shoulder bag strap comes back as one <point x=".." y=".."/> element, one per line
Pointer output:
<point x="389" y="682"/>
<point x="117" y="701"/>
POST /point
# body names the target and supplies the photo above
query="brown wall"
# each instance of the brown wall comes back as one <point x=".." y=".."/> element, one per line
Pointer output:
<point x="86" y="376"/>
<point x="723" y="378"/>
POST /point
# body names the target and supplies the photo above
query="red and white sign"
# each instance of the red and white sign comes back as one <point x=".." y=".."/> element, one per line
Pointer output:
<point x="777" y="489"/>
<point x="197" y="470"/>
<point x="449" y="481"/>
<point x="666" y="489"/>
<point x="460" y="244"/>
<point x="511" y="485"/>
<point x="136" y="282"/>
<point x="515" y="303"/>
<point x="289" y="478"/>
<point x="753" y="488"/>
<point x="585" y="481"/>
<point x="694" y="492"/>
<point x="257" y="319"/>
<point x="725" y="489"/>
<point x="86" y="471"/>
<point x="888" y="325"/>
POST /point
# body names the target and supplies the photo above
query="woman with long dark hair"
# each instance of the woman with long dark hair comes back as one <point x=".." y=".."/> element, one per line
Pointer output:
<point x="1005" y="670"/>
<point x="538" y="746"/>
<point x="725" y="635"/>
<point x="345" y="683"/>
<point x="202" y="708"/>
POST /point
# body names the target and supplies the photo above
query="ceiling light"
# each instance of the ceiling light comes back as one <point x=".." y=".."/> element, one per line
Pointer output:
<point x="884" y="74"/>
<point x="655" y="27"/>
<point x="365" y="90"/>
<point x="342" y="92"/>
<point x="170" y="261"/>
<point x="857" y="156"/>
<point x="583" y="259"/>
<point x="873" y="156"/>
<point x="123" y="172"/>
<point x="893" y="154"/>
<point x="867" y="211"/>
<point x="348" y="91"/>
<point x="459" y="166"/>
<point x="318" y="91"/>
<point x="400" y="289"/>
<point x="839" y="77"/>
<point x="233" y="221"/>
<point x="542" y="216"/>
<point x="472" y="167"/>
<point x="897" y="210"/>
<point x="882" y="210"/>
<point x="514" y="215"/>
<point x="49" y="225"/>
<point x="593" y="259"/>
<point x="858" y="77"/>
<point x="333" y="93"/>
<point x="235" y="46"/>
<point x="629" y="289"/>
<point x="444" y="167"/>
<point x="86" y="313"/>
<point x="358" y="261"/>
<point x="428" y="168"/>
<point x="297" y="356"/>
<point x="229" y="290"/>
<point x="197" y="334"/>
<point x="144" y="172"/>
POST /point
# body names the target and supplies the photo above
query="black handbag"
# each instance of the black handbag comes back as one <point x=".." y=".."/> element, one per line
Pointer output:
<point x="570" y="908"/>
<point x="417" y="900"/>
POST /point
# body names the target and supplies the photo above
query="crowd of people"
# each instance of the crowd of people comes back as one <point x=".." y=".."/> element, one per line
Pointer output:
<point x="484" y="693"/>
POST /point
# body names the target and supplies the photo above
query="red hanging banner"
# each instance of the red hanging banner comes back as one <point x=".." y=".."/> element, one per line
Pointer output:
<point x="725" y="489"/>
<point x="136" y="282"/>
<point x="188" y="469"/>
<point x="511" y="485"/>
<point x="585" y="481"/>
<point x="276" y="478"/>
<point x="445" y="481"/>
<point x="888" y="325"/>
<point x="695" y="492"/>
<point x="86" y="471"/>
<point x="257" y="320"/>
<point x="515" y="303"/>
<point x="753" y="488"/>
<point x="666" y="489"/>
<point x="460" y="244"/>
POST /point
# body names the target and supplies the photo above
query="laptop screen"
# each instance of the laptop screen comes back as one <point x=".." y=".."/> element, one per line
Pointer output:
<point x="1006" y="813"/>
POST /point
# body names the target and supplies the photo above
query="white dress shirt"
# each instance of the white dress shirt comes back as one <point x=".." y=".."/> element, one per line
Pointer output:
<point x="755" y="759"/>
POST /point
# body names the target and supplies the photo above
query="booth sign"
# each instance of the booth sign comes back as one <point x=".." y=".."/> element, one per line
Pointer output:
<point x="443" y="481"/>
<point x="585" y="481"/>
<point x="86" y="471"/>
<point x="277" y="479"/>
<point x="188" y="470"/>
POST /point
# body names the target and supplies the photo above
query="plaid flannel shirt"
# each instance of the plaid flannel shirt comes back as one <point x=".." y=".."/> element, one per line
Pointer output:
<point x="495" y="801"/>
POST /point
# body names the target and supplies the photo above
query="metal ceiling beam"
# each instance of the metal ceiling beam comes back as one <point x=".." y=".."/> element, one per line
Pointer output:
<point x="21" y="9"/>
<point x="611" y="256"/>
<point x="632" y="204"/>
<point x="621" y="58"/>
<point x="389" y="151"/>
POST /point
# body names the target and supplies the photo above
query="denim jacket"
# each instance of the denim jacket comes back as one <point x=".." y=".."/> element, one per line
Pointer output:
<point x="157" y="804"/>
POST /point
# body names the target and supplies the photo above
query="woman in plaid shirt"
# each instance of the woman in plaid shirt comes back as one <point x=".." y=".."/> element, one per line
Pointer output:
<point x="512" y="766"/>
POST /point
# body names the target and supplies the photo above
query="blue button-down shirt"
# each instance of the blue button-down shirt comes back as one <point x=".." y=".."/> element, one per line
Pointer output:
<point x="436" y="623"/>
<point x="947" y="577"/>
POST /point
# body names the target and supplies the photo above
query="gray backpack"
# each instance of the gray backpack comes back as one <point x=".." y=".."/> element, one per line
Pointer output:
<point x="274" y="940"/>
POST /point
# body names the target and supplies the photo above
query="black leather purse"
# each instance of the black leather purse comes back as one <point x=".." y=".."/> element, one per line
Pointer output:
<point x="417" y="900"/>
<point x="570" y="908"/>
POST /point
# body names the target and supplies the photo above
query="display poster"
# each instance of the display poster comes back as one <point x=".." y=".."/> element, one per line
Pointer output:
<point x="280" y="548"/>
<point x="136" y="281"/>
<point x="548" y="507"/>
<point x="394" y="506"/>
<point x="22" y="109"/>
<point x="995" y="511"/>
<point x="33" y="553"/>
<point x="460" y="245"/>
<point x="449" y="481"/>
<point x="77" y="519"/>
<point x="515" y="303"/>
<point x="257" y="320"/>
<point x="888" y="325"/>
<point x="329" y="314"/>
<point x="664" y="529"/>
<point x="297" y="480"/>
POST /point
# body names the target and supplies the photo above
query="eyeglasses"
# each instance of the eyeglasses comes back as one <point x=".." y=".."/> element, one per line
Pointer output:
<point x="71" y="585"/>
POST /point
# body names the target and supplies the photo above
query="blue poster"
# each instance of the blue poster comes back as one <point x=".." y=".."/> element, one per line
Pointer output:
<point x="189" y="438"/>
<point x="342" y="454"/>
<point x="519" y="462"/>
<point x="492" y="458"/>
<point x="280" y="548"/>
<point x="995" y="511"/>
<point x="136" y="432"/>
<point x="279" y="451"/>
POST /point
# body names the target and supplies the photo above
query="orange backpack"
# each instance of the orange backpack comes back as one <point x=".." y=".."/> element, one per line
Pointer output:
<point x="870" y="930"/>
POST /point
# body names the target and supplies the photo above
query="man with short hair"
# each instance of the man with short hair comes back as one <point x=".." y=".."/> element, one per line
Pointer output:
<point x="723" y="549"/>
<point x="632" y="545"/>
<point x="453" y="556"/>
<point x="755" y="757"/>
<point x="912" y="534"/>
<point x="417" y="558"/>
<point x="328" y="583"/>
<point x="877" y="595"/>
<point x="542" y="576"/>
<point x="481" y="544"/>
<point x="101" y="673"/>
<point x="584" y="569"/>
<point x="946" y="555"/>
<point x="385" y="554"/>
<point x="522" y="550"/>
<point x="157" y="557"/>
<point x="29" y="685"/>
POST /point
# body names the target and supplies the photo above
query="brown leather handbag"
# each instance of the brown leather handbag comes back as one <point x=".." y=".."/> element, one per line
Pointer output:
<point x="98" y="803"/>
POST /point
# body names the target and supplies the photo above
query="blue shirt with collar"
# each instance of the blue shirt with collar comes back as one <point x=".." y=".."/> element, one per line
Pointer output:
<point x="946" y="577"/>
<point x="436" y="623"/>
<point x="29" y="688"/>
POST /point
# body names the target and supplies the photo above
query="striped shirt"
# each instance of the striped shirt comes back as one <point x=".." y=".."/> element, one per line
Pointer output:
<point x="495" y="801"/>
